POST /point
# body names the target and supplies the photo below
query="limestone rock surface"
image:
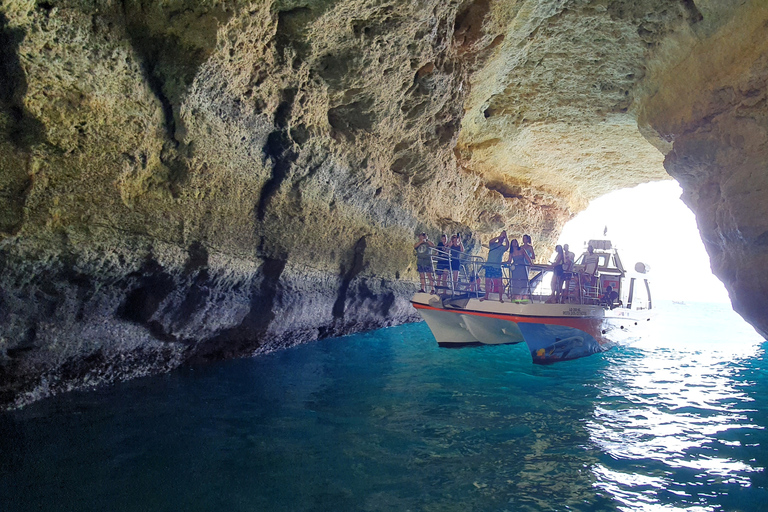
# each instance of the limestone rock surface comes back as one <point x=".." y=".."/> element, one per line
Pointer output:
<point x="706" y="106"/>
<point x="184" y="181"/>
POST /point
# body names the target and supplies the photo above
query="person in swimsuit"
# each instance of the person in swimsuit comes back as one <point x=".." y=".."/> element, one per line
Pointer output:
<point x="423" y="250"/>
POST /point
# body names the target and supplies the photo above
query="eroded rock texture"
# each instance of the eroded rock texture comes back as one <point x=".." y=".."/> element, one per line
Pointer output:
<point x="184" y="181"/>
<point x="708" y="107"/>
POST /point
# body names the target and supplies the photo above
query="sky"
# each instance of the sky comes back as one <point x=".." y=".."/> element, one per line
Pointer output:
<point x="650" y="223"/>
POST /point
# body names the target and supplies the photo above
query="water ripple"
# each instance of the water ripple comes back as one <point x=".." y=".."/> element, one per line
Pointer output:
<point x="675" y="420"/>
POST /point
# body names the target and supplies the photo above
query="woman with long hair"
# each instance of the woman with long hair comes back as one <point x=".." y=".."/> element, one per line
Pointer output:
<point x="519" y="274"/>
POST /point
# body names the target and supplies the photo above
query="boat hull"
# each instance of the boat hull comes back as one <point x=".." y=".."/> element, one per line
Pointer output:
<point x="452" y="328"/>
<point x="552" y="332"/>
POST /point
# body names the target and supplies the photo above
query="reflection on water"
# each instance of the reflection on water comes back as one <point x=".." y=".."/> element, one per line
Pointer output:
<point x="388" y="421"/>
<point x="674" y="415"/>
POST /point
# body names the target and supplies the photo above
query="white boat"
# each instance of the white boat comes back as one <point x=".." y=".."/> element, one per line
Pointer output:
<point x="577" y="325"/>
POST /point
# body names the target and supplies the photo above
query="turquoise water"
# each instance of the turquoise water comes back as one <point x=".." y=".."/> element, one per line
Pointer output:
<point x="386" y="420"/>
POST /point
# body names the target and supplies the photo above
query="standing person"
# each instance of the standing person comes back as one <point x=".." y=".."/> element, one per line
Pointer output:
<point x="570" y="259"/>
<point x="496" y="249"/>
<point x="530" y="257"/>
<point x="519" y="274"/>
<point x="423" y="250"/>
<point x="456" y="248"/>
<point x="442" y="263"/>
<point x="557" y="274"/>
<point x="591" y="262"/>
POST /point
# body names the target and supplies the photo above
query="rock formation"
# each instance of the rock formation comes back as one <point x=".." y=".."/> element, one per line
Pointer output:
<point x="706" y="108"/>
<point x="184" y="181"/>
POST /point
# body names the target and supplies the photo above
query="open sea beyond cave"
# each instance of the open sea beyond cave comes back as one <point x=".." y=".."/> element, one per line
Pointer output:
<point x="388" y="421"/>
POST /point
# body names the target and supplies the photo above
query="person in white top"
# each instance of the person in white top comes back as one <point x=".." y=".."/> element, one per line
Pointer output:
<point x="569" y="259"/>
<point x="591" y="261"/>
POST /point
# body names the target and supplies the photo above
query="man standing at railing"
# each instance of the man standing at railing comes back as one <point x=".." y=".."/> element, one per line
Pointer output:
<point x="496" y="249"/>
<point x="423" y="250"/>
<point x="591" y="262"/>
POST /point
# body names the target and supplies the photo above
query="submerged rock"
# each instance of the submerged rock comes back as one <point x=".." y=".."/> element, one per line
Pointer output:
<point x="186" y="181"/>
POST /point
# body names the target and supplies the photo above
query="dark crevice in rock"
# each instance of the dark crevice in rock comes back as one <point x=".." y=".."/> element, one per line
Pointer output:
<point x="694" y="14"/>
<point x="334" y="68"/>
<point x="198" y="291"/>
<point x="246" y="337"/>
<point x="447" y="131"/>
<point x="289" y="34"/>
<point x="197" y="258"/>
<point x="404" y="164"/>
<point x="347" y="275"/>
<point x="196" y="296"/>
<point x="156" y="84"/>
<point x="508" y="191"/>
<point x="279" y="149"/>
<point x="26" y="344"/>
<point x="154" y="285"/>
<point x="13" y="197"/>
<point x="283" y="111"/>
<point x="45" y="6"/>
<point x="173" y="158"/>
<point x="24" y="129"/>
<point x="352" y="117"/>
<point x="170" y="58"/>
<point x="468" y="27"/>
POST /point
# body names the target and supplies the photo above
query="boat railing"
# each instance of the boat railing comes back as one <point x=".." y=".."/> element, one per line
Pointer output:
<point x="469" y="280"/>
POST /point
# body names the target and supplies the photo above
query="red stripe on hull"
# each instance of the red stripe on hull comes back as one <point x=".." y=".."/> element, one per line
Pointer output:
<point x="588" y="325"/>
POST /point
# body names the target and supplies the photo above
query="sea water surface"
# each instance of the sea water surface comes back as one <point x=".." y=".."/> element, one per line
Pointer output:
<point x="386" y="420"/>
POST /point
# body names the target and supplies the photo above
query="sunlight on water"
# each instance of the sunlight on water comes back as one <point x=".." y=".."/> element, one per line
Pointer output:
<point x="679" y="405"/>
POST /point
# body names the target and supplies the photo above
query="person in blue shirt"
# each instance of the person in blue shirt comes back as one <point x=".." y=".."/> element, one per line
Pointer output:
<point x="496" y="249"/>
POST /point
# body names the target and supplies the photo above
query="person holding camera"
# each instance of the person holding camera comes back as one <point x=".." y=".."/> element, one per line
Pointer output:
<point x="496" y="249"/>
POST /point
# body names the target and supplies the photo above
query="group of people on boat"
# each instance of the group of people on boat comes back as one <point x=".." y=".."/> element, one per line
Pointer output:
<point x="520" y="256"/>
<point x="445" y="264"/>
<point x="502" y="251"/>
<point x="448" y="259"/>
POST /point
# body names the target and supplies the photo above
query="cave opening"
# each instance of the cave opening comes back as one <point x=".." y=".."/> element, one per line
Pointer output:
<point x="650" y="223"/>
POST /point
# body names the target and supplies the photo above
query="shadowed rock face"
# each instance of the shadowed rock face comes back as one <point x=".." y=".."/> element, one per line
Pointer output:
<point x="186" y="181"/>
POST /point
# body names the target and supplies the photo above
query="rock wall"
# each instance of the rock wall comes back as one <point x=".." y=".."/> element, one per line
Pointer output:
<point x="706" y="108"/>
<point x="185" y="181"/>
